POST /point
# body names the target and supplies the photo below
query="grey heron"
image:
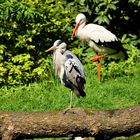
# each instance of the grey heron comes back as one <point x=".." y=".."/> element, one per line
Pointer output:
<point x="99" y="38"/>
<point x="69" y="69"/>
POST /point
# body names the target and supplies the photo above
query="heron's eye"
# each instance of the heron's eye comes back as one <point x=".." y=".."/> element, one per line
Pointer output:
<point x="63" y="48"/>
<point x="59" y="42"/>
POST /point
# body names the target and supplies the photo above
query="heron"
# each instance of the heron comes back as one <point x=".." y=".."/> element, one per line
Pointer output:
<point x="69" y="69"/>
<point x="103" y="42"/>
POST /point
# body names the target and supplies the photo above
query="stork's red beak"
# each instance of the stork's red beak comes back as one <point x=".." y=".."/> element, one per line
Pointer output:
<point x="74" y="31"/>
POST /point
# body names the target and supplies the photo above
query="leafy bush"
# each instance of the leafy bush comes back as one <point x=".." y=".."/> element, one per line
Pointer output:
<point x="29" y="27"/>
<point x="27" y="30"/>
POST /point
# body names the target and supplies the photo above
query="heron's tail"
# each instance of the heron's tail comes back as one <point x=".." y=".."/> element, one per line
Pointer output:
<point x="82" y="93"/>
<point x="79" y="92"/>
<point x="79" y="89"/>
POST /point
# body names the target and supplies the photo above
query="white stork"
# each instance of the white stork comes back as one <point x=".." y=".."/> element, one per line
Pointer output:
<point x="99" y="38"/>
<point x="69" y="69"/>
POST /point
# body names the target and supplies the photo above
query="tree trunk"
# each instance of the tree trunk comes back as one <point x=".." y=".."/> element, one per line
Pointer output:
<point x="101" y="124"/>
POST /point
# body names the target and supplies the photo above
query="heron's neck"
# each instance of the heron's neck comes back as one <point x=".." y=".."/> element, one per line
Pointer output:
<point x="58" y="61"/>
<point x="59" y="57"/>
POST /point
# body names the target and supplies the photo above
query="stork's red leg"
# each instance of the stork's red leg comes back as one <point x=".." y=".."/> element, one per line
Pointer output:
<point x="97" y="59"/>
<point x="99" y="69"/>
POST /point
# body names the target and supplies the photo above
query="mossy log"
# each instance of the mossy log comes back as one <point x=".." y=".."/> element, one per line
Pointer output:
<point x="100" y="124"/>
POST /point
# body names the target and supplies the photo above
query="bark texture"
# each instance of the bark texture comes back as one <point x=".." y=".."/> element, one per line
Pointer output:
<point x="101" y="124"/>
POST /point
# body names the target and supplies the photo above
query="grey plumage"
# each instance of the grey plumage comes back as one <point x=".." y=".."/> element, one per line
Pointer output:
<point x="75" y="77"/>
<point x="69" y="68"/>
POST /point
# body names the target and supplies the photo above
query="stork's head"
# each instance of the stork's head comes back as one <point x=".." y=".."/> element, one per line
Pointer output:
<point x="58" y="45"/>
<point x="80" y="19"/>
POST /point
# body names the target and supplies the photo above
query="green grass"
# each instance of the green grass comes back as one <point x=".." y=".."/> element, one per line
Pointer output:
<point x="51" y="95"/>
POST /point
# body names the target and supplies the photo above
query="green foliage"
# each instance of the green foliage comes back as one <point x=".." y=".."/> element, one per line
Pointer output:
<point x="27" y="29"/>
<point x="119" y="16"/>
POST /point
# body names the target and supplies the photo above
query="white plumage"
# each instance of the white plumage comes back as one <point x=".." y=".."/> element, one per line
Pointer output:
<point x="69" y="68"/>
<point x="96" y="33"/>
<point x="97" y="37"/>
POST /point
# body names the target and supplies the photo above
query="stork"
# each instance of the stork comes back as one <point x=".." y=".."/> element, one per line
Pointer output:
<point x="69" y="69"/>
<point x="103" y="42"/>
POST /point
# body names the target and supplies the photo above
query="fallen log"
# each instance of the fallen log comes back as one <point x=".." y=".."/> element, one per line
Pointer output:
<point x="100" y="124"/>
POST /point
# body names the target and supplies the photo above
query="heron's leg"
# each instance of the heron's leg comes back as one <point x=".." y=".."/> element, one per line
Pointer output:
<point x="71" y="97"/>
<point x="70" y="103"/>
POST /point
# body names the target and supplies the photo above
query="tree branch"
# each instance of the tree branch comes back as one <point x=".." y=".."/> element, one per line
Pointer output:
<point x="101" y="124"/>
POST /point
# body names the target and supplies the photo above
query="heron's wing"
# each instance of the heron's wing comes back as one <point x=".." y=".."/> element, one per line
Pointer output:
<point x="70" y="55"/>
<point x="73" y="71"/>
<point x="74" y="77"/>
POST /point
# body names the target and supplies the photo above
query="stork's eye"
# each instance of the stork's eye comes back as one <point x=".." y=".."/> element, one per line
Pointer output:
<point x="81" y="21"/>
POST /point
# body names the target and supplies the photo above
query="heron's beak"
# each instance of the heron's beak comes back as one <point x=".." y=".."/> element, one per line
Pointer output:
<point x="50" y="49"/>
<point x="74" y="31"/>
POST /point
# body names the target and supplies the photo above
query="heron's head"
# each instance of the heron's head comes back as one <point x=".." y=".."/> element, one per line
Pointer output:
<point x="80" y="19"/>
<point x="58" y="45"/>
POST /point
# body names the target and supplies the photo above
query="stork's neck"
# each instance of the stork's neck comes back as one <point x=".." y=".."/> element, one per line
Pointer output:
<point x="81" y="26"/>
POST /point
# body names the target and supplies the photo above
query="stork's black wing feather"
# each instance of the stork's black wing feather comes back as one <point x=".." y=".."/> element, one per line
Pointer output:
<point x="114" y="45"/>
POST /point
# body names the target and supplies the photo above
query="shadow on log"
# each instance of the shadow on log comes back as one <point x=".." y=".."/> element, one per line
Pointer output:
<point x="100" y="124"/>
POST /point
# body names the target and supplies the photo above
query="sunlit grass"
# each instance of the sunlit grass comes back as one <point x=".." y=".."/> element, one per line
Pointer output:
<point x="50" y="95"/>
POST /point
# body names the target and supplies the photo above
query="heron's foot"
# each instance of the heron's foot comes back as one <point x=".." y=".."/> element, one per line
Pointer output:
<point x="67" y="109"/>
<point x="97" y="58"/>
